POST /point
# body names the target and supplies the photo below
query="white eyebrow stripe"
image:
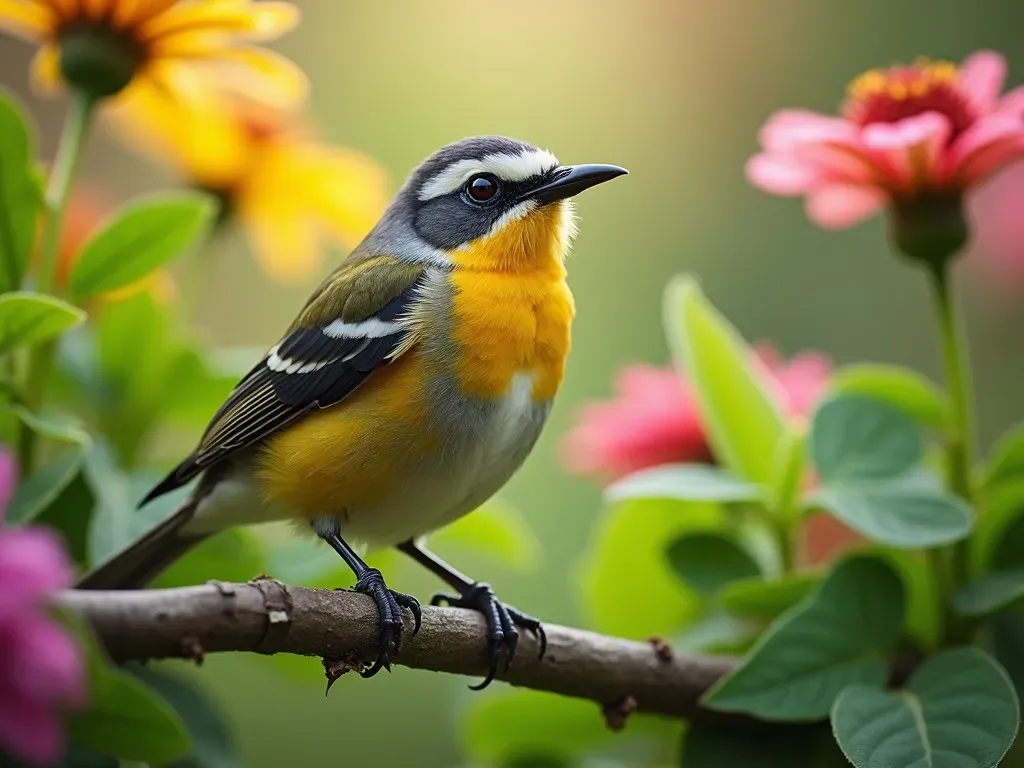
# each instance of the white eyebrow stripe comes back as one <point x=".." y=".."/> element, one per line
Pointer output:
<point x="506" y="166"/>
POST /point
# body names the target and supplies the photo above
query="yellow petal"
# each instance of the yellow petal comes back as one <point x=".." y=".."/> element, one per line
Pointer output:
<point x="46" y="79"/>
<point x="261" y="21"/>
<point x="68" y="10"/>
<point x="284" y="241"/>
<point x="347" y="190"/>
<point x="95" y="9"/>
<point x="186" y="125"/>
<point x="263" y="75"/>
<point x="28" y="21"/>
<point x="128" y="13"/>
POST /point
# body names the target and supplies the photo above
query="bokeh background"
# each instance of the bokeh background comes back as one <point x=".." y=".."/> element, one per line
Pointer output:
<point x="674" y="91"/>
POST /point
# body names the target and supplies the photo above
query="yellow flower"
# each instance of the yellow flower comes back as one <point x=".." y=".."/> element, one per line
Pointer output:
<point x="290" y="193"/>
<point x="100" y="46"/>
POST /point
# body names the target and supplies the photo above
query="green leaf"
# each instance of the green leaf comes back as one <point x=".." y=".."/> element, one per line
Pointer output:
<point x="497" y="531"/>
<point x="835" y="638"/>
<point x="902" y="388"/>
<point x="897" y="513"/>
<point x="743" y="419"/>
<point x="213" y="743"/>
<point x="790" y="461"/>
<point x="990" y="594"/>
<point x="958" y="710"/>
<point x="685" y="482"/>
<point x="637" y="532"/>
<point x="1007" y="637"/>
<point x="1006" y="462"/>
<point x="129" y="721"/>
<point x="142" y="236"/>
<point x="55" y="426"/>
<point x="709" y="561"/>
<point x="31" y="318"/>
<point x="521" y="722"/>
<point x="719" y="746"/>
<point x="19" y="193"/>
<point x="856" y="438"/>
<point x="38" y="492"/>
<point x="196" y="388"/>
<point x="71" y="513"/>
<point x="716" y="633"/>
<point x="761" y="599"/>
<point x="115" y="523"/>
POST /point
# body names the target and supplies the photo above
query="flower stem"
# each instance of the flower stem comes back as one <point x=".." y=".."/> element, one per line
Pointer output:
<point x="960" y="430"/>
<point x="58" y="192"/>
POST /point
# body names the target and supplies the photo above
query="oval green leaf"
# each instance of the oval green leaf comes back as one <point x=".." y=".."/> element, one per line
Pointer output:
<point x="130" y="721"/>
<point x="30" y="318"/>
<point x="857" y="438"/>
<point x="20" y="196"/>
<point x="34" y="495"/>
<point x="760" y="599"/>
<point x="142" y="236"/>
<point x="904" y="515"/>
<point x="55" y="426"/>
<point x="739" y="407"/>
<point x="959" y="710"/>
<point x="685" y="482"/>
<point x="1006" y="463"/>
<point x="904" y="389"/>
<point x="709" y="561"/>
<point x="837" y="637"/>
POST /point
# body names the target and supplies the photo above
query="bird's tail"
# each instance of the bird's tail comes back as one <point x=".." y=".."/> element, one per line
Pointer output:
<point x="143" y="560"/>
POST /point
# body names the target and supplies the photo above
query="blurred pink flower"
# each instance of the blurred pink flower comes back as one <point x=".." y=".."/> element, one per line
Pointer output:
<point x="928" y="129"/>
<point x="998" y="231"/>
<point x="654" y="417"/>
<point x="41" y="669"/>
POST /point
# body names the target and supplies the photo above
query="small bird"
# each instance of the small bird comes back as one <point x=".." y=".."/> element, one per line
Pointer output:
<point x="412" y="385"/>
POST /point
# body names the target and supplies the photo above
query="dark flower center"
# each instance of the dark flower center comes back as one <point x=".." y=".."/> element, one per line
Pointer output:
<point x="97" y="60"/>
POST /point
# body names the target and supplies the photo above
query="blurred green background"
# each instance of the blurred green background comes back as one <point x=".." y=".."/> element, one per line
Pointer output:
<point x="674" y="91"/>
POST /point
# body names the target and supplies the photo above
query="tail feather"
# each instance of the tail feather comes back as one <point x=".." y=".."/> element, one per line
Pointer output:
<point x="143" y="560"/>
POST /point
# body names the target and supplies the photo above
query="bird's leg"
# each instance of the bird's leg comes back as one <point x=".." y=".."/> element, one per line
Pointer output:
<point x="370" y="582"/>
<point x="501" y="619"/>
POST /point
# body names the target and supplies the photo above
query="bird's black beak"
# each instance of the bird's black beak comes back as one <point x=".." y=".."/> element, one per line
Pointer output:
<point x="570" y="180"/>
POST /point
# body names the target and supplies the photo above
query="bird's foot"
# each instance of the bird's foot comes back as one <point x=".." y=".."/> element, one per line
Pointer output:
<point x="389" y="608"/>
<point x="502" y="620"/>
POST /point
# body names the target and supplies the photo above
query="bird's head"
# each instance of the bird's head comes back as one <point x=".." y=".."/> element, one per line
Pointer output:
<point x="488" y="203"/>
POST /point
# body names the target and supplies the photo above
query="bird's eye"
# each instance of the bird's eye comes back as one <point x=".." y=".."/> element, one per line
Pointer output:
<point x="482" y="188"/>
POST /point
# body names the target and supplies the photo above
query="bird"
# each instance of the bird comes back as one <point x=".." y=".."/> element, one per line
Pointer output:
<point x="411" y="386"/>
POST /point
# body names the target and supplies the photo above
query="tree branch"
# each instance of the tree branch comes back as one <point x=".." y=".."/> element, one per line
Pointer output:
<point x="265" y="616"/>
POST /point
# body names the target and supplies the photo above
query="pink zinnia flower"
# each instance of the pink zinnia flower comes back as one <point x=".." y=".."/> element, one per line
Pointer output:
<point x="927" y="130"/>
<point x="654" y="418"/>
<point x="41" y="669"/>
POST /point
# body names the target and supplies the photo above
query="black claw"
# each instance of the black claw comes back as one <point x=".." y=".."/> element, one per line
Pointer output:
<point x="389" y="608"/>
<point x="501" y="621"/>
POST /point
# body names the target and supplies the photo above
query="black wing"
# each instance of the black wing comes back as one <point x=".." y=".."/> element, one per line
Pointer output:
<point x="311" y="368"/>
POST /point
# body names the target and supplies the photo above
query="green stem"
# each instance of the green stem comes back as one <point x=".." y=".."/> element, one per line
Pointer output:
<point x="58" y="192"/>
<point x="960" y="431"/>
<point x="787" y="552"/>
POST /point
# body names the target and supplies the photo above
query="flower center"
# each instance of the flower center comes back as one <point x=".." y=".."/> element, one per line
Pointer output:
<point x="888" y="96"/>
<point x="98" y="60"/>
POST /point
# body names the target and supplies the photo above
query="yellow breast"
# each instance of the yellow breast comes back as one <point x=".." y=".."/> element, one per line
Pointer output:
<point x="512" y="307"/>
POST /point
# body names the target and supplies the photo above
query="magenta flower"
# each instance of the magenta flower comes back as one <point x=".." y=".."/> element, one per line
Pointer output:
<point x="930" y="129"/>
<point x="654" y="418"/>
<point x="41" y="669"/>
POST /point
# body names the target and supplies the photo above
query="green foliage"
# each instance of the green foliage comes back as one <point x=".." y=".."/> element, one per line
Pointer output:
<point x="144" y="235"/>
<point x="902" y="388"/>
<point x="1006" y="464"/>
<point x="837" y="637"/>
<point x="31" y="318"/>
<point x="496" y="531"/>
<point x="719" y="746"/>
<point x="756" y="598"/>
<point x="40" y="491"/>
<point x="707" y="562"/>
<point x="212" y="744"/>
<point x="685" y="482"/>
<point x="743" y="420"/>
<point x="20" y="196"/>
<point x="958" y="710"/>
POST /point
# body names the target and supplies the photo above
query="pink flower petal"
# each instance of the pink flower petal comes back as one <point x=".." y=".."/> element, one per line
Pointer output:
<point x="804" y="380"/>
<point x="790" y="128"/>
<point x="30" y="731"/>
<point x="1012" y="104"/>
<point x="49" y="663"/>
<point x="33" y="564"/>
<point x="8" y="479"/>
<point x="913" y="146"/>
<point x="781" y="174"/>
<point x="981" y="78"/>
<point x="837" y="206"/>
<point x="987" y="146"/>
